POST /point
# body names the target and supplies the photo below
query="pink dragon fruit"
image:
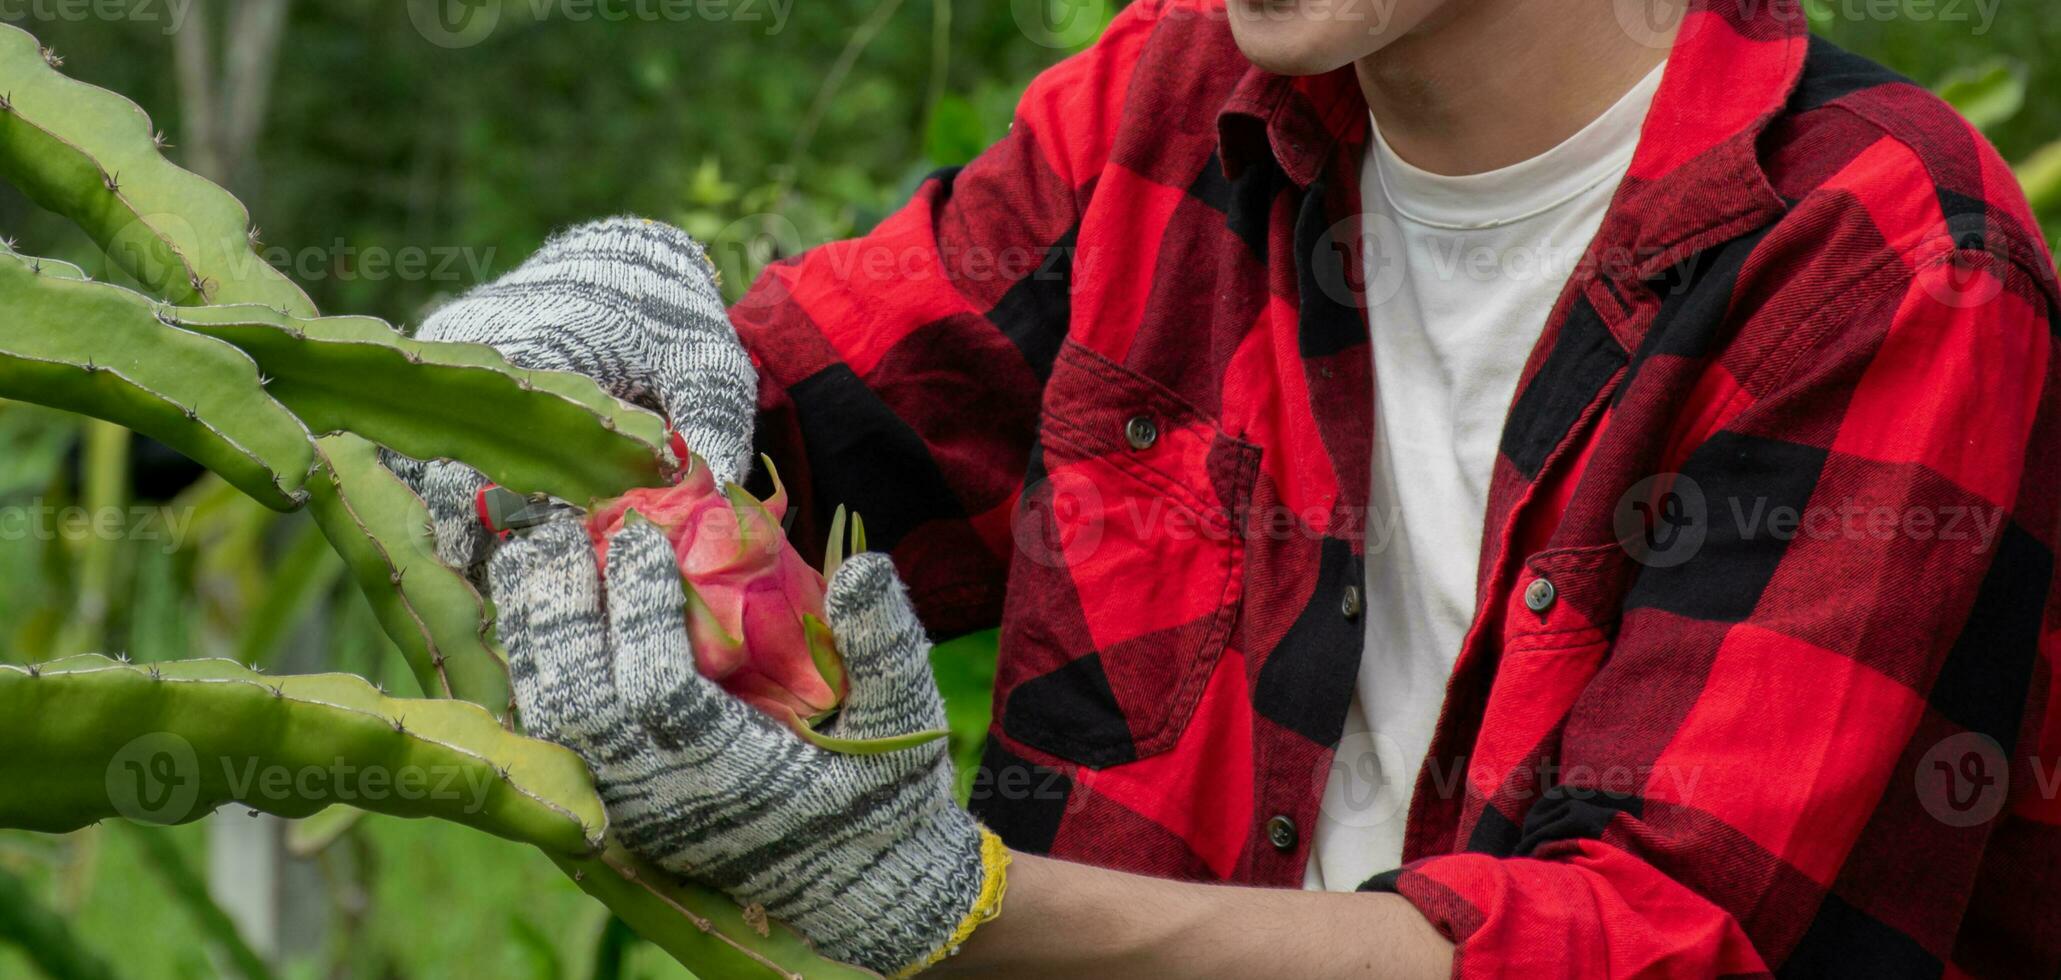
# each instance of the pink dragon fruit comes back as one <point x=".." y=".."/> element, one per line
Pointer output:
<point x="754" y="607"/>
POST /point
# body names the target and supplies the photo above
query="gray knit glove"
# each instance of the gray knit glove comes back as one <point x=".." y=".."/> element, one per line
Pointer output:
<point x="630" y="303"/>
<point x="867" y="856"/>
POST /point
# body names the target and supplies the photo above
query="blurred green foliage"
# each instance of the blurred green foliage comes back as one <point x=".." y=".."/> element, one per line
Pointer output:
<point x="776" y="125"/>
<point x="377" y="138"/>
<point x="803" y="121"/>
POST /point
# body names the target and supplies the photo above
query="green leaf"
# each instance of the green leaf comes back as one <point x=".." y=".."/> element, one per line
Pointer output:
<point x="2041" y="176"/>
<point x="965" y="672"/>
<point x="33" y="444"/>
<point x="29" y="924"/>
<point x="190" y="891"/>
<point x="1988" y="94"/>
<point x="954" y="135"/>
<point x="305" y="571"/>
<point x="612" y="949"/>
<point x="311" y="835"/>
<point x="865" y="746"/>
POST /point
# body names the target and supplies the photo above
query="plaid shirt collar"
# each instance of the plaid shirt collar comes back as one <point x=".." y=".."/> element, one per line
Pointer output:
<point x="1302" y="134"/>
<point x="1695" y="181"/>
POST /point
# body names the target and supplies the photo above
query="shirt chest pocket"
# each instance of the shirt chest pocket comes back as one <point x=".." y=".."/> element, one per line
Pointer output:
<point x="1128" y="566"/>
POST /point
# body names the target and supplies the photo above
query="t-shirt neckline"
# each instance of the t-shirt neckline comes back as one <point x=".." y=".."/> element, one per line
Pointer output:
<point x="1600" y="151"/>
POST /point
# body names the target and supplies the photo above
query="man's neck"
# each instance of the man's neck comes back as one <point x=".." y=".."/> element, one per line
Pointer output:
<point x="1489" y="83"/>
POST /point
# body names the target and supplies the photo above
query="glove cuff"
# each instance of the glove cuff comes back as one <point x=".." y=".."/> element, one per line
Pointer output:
<point x="987" y="906"/>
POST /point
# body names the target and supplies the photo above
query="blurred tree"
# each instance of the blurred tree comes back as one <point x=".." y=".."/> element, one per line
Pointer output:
<point x="225" y="84"/>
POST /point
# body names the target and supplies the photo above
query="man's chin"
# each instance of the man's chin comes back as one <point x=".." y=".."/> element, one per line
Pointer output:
<point x="1291" y="61"/>
<point x="1298" y="47"/>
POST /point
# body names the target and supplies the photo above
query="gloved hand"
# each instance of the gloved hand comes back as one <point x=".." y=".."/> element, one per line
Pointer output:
<point x="632" y="304"/>
<point x="868" y="857"/>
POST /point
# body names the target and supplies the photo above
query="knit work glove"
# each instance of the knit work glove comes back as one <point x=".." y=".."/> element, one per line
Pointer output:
<point x="630" y="303"/>
<point x="867" y="856"/>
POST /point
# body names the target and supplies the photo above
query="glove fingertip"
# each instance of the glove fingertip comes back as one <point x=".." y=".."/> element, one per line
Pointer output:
<point x="876" y="625"/>
<point x="505" y="573"/>
<point x="640" y="548"/>
<point x="865" y="587"/>
<point x="407" y="468"/>
<point x="549" y="568"/>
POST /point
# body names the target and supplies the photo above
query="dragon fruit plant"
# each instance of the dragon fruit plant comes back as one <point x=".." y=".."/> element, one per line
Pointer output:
<point x="221" y="357"/>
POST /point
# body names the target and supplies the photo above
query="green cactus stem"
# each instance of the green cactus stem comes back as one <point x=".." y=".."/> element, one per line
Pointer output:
<point x="97" y="350"/>
<point x="92" y="156"/>
<point x="540" y="431"/>
<point x="530" y="431"/>
<point x="697" y="925"/>
<point x="91" y="738"/>
<point x="431" y="610"/>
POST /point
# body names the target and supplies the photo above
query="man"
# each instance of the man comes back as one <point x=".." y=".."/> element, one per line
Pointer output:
<point x="1607" y="430"/>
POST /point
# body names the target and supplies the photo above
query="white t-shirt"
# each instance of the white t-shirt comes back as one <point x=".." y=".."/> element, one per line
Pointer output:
<point x="1461" y="274"/>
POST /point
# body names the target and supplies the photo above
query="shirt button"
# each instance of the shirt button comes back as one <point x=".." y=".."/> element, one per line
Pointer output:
<point x="1350" y="603"/>
<point x="1141" y="432"/>
<point x="1538" y="597"/>
<point x="1281" y="833"/>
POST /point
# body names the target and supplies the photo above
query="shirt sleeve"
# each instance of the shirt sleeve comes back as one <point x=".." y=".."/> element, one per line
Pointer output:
<point x="1840" y="776"/>
<point x="901" y="372"/>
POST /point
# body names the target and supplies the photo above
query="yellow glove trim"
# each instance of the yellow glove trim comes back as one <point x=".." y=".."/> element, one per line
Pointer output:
<point x="994" y="862"/>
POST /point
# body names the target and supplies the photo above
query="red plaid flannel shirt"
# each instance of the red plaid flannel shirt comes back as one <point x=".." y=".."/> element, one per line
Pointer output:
<point x="1760" y="675"/>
